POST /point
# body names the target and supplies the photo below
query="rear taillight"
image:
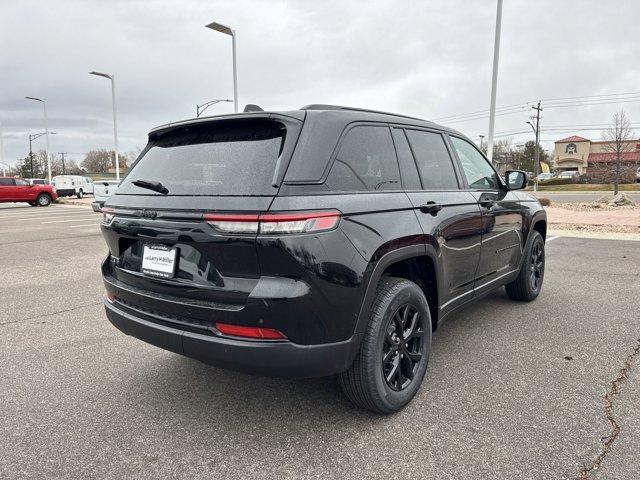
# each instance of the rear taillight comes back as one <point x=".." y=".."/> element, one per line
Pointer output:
<point x="107" y="215"/>
<point x="259" y="333"/>
<point x="233" y="223"/>
<point x="274" y="223"/>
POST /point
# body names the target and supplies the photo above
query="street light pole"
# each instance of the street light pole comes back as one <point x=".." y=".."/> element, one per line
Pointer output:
<point x="31" y="156"/>
<point x="46" y="129"/>
<point x="115" y="124"/>
<point x="4" y="172"/>
<point x="32" y="137"/>
<point x="218" y="27"/>
<point x="201" y="108"/>
<point x="494" y="81"/>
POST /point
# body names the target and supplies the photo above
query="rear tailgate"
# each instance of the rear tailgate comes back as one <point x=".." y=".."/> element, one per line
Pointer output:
<point x="219" y="167"/>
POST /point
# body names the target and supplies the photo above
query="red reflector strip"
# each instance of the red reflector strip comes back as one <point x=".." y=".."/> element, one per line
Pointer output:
<point x="250" y="332"/>
<point x="110" y="297"/>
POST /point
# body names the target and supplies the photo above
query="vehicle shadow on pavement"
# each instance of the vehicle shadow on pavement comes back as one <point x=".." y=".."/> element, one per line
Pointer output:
<point x="197" y="392"/>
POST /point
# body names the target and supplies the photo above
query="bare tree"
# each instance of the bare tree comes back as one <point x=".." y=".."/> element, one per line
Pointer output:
<point x="619" y="138"/>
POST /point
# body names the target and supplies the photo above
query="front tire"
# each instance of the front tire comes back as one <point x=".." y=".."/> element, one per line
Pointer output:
<point x="526" y="287"/>
<point x="43" y="200"/>
<point x="388" y="370"/>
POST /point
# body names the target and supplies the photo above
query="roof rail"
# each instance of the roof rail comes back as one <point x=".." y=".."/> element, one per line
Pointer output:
<point x="320" y="106"/>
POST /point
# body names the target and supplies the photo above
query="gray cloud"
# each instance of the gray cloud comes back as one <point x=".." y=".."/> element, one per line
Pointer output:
<point x="425" y="58"/>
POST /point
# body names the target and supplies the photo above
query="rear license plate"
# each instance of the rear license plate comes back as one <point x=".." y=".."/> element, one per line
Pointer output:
<point x="159" y="261"/>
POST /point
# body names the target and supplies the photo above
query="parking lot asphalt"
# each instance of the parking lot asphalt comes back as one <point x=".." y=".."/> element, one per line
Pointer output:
<point x="513" y="390"/>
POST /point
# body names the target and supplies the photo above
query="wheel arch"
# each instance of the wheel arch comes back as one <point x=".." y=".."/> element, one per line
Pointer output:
<point x="416" y="263"/>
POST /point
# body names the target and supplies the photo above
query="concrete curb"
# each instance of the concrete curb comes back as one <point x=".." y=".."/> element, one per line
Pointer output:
<point x="597" y="235"/>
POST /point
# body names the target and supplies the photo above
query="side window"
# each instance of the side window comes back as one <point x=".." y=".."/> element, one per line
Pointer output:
<point x="476" y="168"/>
<point x="434" y="163"/>
<point x="21" y="183"/>
<point x="366" y="161"/>
<point x="408" y="169"/>
<point x="6" y="182"/>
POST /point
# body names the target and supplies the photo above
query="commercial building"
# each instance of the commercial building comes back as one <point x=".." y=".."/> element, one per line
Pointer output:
<point x="596" y="159"/>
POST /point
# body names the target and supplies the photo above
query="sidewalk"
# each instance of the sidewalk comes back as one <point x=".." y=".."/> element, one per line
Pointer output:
<point x="630" y="217"/>
<point x="85" y="201"/>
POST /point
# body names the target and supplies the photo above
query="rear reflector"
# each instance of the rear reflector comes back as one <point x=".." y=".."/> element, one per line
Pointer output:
<point x="274" y="223"/>
<point x="110" y="297"/>
<point x="250" y="332"/>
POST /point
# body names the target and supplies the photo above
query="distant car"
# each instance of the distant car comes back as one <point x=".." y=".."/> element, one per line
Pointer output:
<point x="102" y="190"/>
<point x="568" y="174"/>
<point x="638" y="175"/>
<point x="21" y="190"/>
<point x="70" y="185"/>
<point x="545" y="176"/>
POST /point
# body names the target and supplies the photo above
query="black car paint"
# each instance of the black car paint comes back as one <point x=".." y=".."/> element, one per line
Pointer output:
<point x="315" y="288"/>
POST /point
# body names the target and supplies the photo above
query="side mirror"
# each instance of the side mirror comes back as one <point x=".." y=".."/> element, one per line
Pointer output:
<point x="516" y="179"/>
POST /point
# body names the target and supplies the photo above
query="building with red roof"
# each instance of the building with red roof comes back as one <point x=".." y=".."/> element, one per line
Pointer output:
<point x="595" y="159"/>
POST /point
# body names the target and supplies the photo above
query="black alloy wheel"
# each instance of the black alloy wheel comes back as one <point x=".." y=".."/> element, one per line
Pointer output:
<point x="402" y="348"/>
<point x="537" y="266"/>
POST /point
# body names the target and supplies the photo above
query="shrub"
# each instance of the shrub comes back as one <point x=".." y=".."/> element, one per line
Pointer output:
<point x="556" y="181"/>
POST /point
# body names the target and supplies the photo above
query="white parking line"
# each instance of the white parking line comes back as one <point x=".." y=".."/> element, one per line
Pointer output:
<point x="65" y="221"/>
<point x="55" y="217"/>
<point x="552" y="238"/>
<point x="85" y="225"/>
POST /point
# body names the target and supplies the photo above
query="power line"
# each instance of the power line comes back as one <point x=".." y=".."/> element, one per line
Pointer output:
<point x="559" y="102"/>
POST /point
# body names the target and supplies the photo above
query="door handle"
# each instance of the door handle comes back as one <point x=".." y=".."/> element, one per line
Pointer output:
<point x="431" y="207"/>
<point x="487" y="203"/>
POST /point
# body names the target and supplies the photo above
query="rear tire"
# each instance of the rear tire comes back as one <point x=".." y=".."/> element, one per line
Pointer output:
<point x="526" y="287"/>
<point x="388" y="370"/>
<point x="43" y="200"/>
<point x="80" y="193"/>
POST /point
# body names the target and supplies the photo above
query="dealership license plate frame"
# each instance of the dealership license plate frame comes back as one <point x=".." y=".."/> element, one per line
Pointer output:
<point x="159" y="261"/>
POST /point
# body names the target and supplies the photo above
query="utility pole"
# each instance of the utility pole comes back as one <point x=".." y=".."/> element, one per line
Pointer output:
<point x="536" y="130"/>
<point x="481" y="141"/>
<point x="538" y="109"/>
<point x="62" y="155"/>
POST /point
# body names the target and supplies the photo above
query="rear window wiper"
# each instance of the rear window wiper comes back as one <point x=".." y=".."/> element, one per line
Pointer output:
<point x="151" y="185"/>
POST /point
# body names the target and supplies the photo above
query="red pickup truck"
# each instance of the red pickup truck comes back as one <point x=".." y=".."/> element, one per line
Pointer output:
<point x="21" y="190"/>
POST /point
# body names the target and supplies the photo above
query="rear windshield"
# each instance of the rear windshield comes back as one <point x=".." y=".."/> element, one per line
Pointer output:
<point x="220" y="158"/>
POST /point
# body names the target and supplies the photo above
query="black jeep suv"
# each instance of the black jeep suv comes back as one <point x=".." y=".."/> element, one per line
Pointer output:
<point x="320" y="241"/>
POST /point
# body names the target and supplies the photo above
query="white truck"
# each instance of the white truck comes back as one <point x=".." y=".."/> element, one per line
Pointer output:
<point x="102" y="190"/>
<point x="70" y="185"/>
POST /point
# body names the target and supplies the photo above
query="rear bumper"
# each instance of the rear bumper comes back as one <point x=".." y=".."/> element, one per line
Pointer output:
<point x="282" y="359"/>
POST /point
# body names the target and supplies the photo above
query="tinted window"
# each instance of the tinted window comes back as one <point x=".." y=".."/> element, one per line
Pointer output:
<point x="6" y="181"/>
<point x="366" y="161"/>
<point x="21" y="182"/>
<point x="223" y="158"/>
<point x="408" y="169"/>
<point x="476" y="168"/>
<point x="434" y="163"/>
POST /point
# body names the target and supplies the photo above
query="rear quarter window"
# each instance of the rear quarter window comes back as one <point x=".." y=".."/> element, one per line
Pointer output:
<point x="235" y="157"/>
<point x="366" y="161"/>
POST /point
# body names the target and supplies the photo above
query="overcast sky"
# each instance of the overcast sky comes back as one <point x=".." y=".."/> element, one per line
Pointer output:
<point x="426" y="58"/>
